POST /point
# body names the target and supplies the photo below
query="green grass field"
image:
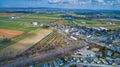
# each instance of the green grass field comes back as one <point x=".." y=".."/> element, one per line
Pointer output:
<point x="95" y="23"/>
<point x="87" y="22"/>
<point x="17" y="24"/>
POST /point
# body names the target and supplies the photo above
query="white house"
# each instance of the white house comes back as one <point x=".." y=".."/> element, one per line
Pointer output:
<point x="110" y="23"/>
<point x="67" y="30"/>
<point x="34" y="23"/>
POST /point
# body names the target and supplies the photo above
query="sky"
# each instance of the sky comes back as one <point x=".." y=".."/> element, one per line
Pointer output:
<point x="70" y="4"/>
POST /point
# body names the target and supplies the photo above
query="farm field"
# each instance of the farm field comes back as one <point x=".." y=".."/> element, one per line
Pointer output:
<point x="8" y="22"/>
<point x="24" y="44"/>
<point x="95" y="23"/>
<point x="10" y="33"/>
<point x="22" y="22"/>
<point x="49" y="43"/>
<point x="45" y="18"/>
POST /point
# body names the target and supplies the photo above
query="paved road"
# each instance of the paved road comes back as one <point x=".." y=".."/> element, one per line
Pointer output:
<point x="22" y="63"/>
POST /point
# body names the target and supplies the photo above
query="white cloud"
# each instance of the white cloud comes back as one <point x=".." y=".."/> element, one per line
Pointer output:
<point x="100" y="1"/>
<point x="86" y="3"/>
<point x="73" y="1"/>
<point x="82" y="3"/>
<point x="54" y="1"/>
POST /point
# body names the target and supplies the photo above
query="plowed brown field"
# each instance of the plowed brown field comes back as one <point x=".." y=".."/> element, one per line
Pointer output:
<point x="10" y="33"/>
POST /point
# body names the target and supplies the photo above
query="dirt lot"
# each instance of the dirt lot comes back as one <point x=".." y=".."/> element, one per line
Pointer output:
<point x="24" y="44"/>
<point x="10" y="33"/>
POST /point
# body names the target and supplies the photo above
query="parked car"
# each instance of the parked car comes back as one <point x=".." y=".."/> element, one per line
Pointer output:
<point x="60" y="62"/>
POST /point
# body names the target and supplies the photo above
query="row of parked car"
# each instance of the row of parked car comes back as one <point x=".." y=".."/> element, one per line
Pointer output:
<point x="94" y="61"/>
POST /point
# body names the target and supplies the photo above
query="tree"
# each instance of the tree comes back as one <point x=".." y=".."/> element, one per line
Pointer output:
<point x="104" y="52"/>
<point x="73" y="66"/>
<point x="113" y="53"/>
<point x="5" y="39"/>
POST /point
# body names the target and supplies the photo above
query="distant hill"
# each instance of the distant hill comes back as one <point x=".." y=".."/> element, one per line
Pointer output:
<point x="32" y="9"/>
